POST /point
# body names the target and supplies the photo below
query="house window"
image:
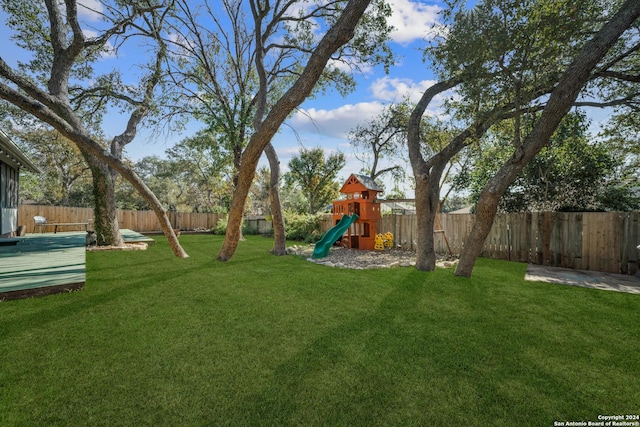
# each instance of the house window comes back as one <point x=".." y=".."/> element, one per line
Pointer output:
<point x="365" y="231"/>
<point x="8" y="186"/>
<point x="2" y="179"/>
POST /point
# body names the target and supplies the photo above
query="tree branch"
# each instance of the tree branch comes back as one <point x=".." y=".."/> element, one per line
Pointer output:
<point x="619" y="75"/>
<point x="630" y="100"/>
<point x="413" y="126"/>
<point x="27" y="86"/>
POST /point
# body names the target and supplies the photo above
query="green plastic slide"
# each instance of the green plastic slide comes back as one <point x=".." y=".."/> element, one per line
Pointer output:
<point x="322" y="247"/>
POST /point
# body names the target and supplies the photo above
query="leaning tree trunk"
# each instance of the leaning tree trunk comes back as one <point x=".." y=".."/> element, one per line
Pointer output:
<point x="105" y="219"/>
<point x="486" y="210"/>
<point x="279" y="237"/>
<point x="425" y="219"/>
<point x="236" y="210"/>
<point x="559" y="104"/>
<point x="339" y="34"/>
<point x="84" y="141"/>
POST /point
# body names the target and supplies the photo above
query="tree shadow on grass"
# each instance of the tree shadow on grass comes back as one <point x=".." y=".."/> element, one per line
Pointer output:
<point x="423" y="356"/>
<point x="111" y="279"/>
<point x="52" y="308"/>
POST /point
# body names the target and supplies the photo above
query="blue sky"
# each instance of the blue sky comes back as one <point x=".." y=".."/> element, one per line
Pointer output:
<point x="324" y="121"/>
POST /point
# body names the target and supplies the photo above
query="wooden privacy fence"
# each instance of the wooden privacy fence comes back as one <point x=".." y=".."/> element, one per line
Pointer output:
<point x="599" y="241"/>
<point x="602" y="241"/>
<point x="141" y="221"/>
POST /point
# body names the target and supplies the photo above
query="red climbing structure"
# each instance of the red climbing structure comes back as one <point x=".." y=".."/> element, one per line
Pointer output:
<point x="361" y="199"/>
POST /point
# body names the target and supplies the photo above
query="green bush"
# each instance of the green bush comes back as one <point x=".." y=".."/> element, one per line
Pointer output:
<point x="303" y="227"/>
<point x="221" y="228"/>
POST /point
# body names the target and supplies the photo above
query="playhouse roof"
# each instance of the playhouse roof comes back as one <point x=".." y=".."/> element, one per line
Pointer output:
<point x="365" y="180"/>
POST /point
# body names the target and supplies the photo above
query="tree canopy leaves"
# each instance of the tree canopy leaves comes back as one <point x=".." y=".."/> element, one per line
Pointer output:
<point x="573" y="172"/>
<point x="316" y="176"/>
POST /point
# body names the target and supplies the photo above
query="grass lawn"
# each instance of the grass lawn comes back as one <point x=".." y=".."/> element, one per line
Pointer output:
<point x="272" y="341"/>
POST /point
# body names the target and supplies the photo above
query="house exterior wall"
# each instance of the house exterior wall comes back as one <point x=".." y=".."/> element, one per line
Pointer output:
<point x="9" y="222"/>
<point x="9" y="185"/>
<point x="12" y="160"/>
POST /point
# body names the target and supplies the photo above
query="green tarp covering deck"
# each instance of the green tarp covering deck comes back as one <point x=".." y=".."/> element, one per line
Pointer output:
<point x="41" y="264"/>
<point x="131" y="236"/>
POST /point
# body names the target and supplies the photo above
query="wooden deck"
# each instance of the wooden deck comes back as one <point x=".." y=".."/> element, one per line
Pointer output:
<point x="43" y="264"/>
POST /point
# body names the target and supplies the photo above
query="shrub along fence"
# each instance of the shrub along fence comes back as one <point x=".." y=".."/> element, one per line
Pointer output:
<point x="601" y="241"/>
<point x="141" y="221"/>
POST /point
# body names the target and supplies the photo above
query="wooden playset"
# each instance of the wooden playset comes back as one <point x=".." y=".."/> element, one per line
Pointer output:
<point x="362" y="200"/>
<point x="355" y="219"/>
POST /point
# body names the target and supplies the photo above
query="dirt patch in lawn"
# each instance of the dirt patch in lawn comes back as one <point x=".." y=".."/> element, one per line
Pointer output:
<point x="356" y="259"/>
<point x="132" y="246"/>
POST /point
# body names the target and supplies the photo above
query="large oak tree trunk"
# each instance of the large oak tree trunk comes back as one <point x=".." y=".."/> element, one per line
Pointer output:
<point x="427" y="176"/>
<point x="425" y="218"/>
<point x="560" y="102"/>
<point x="427" y="196"/>
<point x="234" y="221"/>
<point x="105" y="219"/>
<point x="339" y="34"/>
<point x="279" y="237"/>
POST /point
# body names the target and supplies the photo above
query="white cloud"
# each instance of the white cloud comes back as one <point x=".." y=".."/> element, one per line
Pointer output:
<point x="337" y="123"/>
<point x="288" y="151"/>
<point x="412" y="20"/>
<point x="90" y="9"/>
<point x="396" y="90"/>
<point x="350" y="65"/>
<point x="334" y="123"/>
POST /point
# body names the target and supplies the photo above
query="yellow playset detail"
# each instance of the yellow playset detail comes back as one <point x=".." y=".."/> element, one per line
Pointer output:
<point x="388" y="240"/>
<point x="379" y="242"/>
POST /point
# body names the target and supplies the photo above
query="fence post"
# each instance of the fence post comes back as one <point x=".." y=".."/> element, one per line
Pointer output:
<point x="603" y="241"/>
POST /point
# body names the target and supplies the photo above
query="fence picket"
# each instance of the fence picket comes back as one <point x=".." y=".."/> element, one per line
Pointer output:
<point x="142" y="221"/>
<point x="601" y="241"/>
